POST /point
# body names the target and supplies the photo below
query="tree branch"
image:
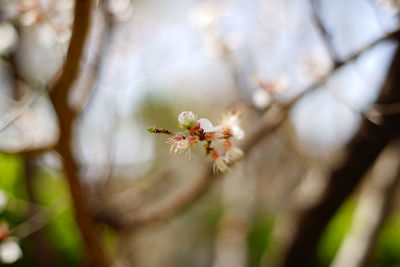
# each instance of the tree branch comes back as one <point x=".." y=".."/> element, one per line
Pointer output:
<point x="66" y="115"/>
<point x="96" y="67"/>
<point x="374" y="207"/>
<point x="326" y="36"/>
<point x="361" y="153"/>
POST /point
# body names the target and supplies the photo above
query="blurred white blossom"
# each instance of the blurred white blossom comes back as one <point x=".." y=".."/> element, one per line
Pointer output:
<point x="261" y="98"/>
<point x="207" y="14"/>
<point x="10" y="251"/>
<point x="231" y="122"/>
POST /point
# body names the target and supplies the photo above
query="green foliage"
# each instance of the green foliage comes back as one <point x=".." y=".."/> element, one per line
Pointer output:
<point x="12" y="184"/>
<point x="50" y="187"/>
<point x="10" y="173"/>
<point x="51" y="191"/>
<point x="260" y="231"/>
<point x="65" y="238"/>
<point x="388" y="247"/>
<point x="335" y="232"/>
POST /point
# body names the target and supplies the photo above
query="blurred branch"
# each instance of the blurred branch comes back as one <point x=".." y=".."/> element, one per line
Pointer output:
<point x="239" y="72"/>
<point x="311" y="218"/>
<point x="88" y="89"/>
<point x="392" y="35"/>
<point x="41" y="217"/>
<point x="182" y="200"/>
<point x="32" y="150"/>
<point x="24" y="103"/>
<point x="325" y="34"/>
<point x="280" y="111"/>
<point x="386" y="109"/>
<point x="18" y="77"/>
<point x="375" y="206"/>
<point x="136" y="196"/>
<point x="238" y="195"/>
<point x="66" y="116"/>
<point x="15" y="115"/>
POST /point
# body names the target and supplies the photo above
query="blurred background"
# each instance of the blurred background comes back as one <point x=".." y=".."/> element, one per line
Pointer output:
<point x="82" y="183"/>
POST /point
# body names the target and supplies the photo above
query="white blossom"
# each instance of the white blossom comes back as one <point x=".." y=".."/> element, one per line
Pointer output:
<point x="261" y="98"/>
<point x="238" y="132"/>
<point x="10" y="251"/>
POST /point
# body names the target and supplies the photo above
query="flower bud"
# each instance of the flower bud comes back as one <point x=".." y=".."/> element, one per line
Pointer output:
<point x="187" y="119"/>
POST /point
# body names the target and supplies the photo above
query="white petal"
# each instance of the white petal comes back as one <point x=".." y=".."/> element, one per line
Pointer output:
<point x="207" y="126"/>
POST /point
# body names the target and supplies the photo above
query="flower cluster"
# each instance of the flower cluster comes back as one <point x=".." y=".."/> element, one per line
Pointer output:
<point x="217" y="140"/>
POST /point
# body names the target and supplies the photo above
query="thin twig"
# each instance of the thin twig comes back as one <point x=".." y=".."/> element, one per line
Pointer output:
<point x="40" y="219"/>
